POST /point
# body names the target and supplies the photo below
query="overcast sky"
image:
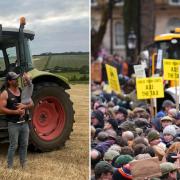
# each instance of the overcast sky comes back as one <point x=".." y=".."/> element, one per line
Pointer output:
<point x="59" y="25"/>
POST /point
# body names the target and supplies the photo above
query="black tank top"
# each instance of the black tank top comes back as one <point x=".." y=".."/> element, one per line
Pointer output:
<point x="12" y="102"/>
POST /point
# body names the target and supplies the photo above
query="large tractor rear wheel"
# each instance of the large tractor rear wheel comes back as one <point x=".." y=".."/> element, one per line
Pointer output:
<point x="52" y="117"/>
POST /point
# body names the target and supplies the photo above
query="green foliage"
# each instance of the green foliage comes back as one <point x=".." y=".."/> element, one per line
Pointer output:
<point x="61" y="61"/>
<point x="84" y="69"/>
<point x="73" y="66"/>
<point x="74" y="76"/>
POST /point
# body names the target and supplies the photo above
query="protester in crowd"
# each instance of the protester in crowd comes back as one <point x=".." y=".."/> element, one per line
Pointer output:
<point x="165" y="121"/>
<point x="111" y="124"/>
<point x="120" y="114"/>
<point x="103" y="171"/>
<point x="169" y="134"/>
<point x="169" y="171"/>
<point x="128" y="136"/>
<point x="172" y="113"/>
<point x="123" y="160"/>
<point x="97" y="119"/>
<point x="166" y="106"/>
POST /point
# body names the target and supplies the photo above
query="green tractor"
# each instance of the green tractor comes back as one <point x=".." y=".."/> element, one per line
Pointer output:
<point x="52" y="116"/>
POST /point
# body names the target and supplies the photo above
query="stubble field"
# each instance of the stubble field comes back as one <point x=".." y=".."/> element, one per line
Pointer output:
<point x="70" y="162"/>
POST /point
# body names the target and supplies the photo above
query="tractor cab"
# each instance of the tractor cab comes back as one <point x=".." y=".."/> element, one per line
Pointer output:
<point x="15" y="52"/>
<point x="165" y="46"/>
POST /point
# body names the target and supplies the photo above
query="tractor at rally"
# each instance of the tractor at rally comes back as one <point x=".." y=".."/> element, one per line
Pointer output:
<point x="165" y="46"/>
<point x="52" y="116"/>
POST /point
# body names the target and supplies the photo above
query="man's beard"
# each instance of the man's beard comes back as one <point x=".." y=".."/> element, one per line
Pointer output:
<point x="15" y="84"/>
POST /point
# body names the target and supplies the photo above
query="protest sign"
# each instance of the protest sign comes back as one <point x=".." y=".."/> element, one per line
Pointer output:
<point x="139" y="71"/>
<point x="146" y="168"/>
<point x="113" y="80"/>
<point x="148" y="88"/>
<point x="171" y="69"/>
<point x="96" y="71"/>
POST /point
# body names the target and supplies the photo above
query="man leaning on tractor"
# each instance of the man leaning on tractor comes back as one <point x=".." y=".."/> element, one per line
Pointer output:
<point x="15" y="111"/>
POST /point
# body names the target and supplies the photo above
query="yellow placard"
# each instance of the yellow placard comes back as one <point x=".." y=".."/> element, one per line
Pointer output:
<point x="171" y="69"/>
<point x="148" y="88"/>
<point x="113" y="80"/>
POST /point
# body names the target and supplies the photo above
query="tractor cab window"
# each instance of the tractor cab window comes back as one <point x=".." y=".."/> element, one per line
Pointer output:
<point x="28" y="53"/>
<point x="170" y="49"/>
<point x="11" y="53"/>
<point x="8" y="59"/>
<point x="173" y="50"/>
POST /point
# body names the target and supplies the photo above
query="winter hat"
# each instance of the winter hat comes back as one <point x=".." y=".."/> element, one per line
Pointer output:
<point x="138" y="110"/>
<point x="168" y="103"/>
<point x="142" y="123"/>
<point x="122" y="160"/>
<point x="111" y="133"/>
<point x="166" y="118"/>
<point x="102" y="167"/>
<point x="115" y="147"/>
<point x="113" y="123"/>
<point x="170" y="130"/>
<point x="142" y="156"/>
<point x="110" y="154"/>
<point x="121" y="110"/>
<point x="172" y="112"/>
<point x="102" y="136"/>
<point x="167" y="167"/>
<point x="152" y="135"/>
<point x="128" y="126"/>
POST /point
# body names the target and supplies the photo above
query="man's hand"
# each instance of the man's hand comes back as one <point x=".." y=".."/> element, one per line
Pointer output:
<point x="21" y="106"/>
<point x="20" y="112"/>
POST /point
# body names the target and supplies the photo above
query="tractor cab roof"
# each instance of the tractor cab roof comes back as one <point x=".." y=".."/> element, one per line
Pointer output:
<point x="175" y="34"/>
<point x="9" y="36"/>
<point x="167" y="37"/>
<point x="14" y="33"/>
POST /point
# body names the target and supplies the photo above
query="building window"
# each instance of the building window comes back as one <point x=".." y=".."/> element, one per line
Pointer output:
<point x="119" y="2"/>
<point x="172" y="24"/>
<point x="118" y="34"/>
<point x="174" y="2"/>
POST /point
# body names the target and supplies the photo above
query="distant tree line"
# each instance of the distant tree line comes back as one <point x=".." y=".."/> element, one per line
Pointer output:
<point x="64" y="53"/>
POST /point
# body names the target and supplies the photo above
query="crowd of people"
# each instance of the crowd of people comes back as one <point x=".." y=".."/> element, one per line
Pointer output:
<point x="124" y="130"/>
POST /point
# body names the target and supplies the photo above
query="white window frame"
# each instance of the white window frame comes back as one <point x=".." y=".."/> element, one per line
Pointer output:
<point x="120" y="3"/>
<point x="122" y="46"/>
<point x="172" y="24"/>
<point x="174" y="3"/>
